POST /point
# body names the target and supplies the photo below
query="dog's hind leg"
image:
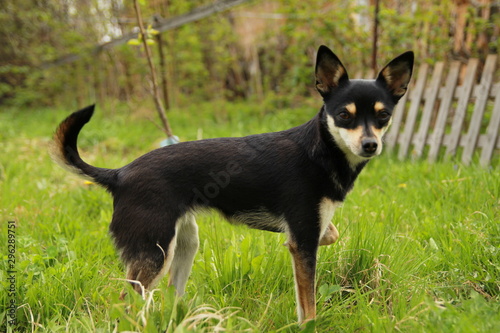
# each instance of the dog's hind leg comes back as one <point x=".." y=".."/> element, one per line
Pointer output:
<point x="143" y="228"/>
<point x="185" y="250"/>
<point x="146" y="269"/>
<point x="146" y="242"/>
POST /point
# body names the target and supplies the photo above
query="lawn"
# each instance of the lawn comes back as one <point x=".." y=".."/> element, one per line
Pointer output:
<point x="419" y="247"/>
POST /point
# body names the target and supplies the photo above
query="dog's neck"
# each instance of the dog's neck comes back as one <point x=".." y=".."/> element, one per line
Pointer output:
<point x="319" y="144"/>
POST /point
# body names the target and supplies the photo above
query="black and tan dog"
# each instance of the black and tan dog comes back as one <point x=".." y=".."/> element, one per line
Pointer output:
<point x="289" y="181"/>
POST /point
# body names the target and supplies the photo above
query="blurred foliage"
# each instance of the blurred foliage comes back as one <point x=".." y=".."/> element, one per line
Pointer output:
<point x="259" y="50"/>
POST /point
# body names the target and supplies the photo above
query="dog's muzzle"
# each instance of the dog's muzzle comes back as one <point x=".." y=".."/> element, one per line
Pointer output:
<point x="369" y="146"/>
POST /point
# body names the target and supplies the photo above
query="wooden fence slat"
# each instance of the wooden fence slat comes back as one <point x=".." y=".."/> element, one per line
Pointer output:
<point x="491" y="134"/>
<point x="481" y="141"/>
<point x="475" y="90"/>
<point x="480" y="105"/>
<point x="430" y="101"/>
<point x="391" y="137"/>
<point x="461" y="109"/>
<point x="413" y="112"/>
<point x="444" y="107"/>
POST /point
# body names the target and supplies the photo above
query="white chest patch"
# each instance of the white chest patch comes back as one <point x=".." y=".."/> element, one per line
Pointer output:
<point x="326" y="210"/>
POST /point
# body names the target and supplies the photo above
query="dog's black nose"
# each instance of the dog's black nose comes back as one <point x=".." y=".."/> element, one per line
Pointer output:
<point x="369" y="145"/>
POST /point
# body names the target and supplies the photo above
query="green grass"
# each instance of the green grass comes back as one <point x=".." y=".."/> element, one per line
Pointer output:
<point x="419" y="249"/>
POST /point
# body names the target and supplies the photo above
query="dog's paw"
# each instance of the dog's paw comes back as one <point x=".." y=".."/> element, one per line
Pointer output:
<point x="330" y="236"/>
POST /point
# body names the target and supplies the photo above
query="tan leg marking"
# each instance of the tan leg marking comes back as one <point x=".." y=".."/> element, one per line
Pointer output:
<point x="304" y="284"/>
<point x="143" y="274"/>
<point x="330" y="236"/>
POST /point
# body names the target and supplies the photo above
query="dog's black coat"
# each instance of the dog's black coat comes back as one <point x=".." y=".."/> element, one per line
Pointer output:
<point x="272" y="181"/>
<point x="284" y="173"/>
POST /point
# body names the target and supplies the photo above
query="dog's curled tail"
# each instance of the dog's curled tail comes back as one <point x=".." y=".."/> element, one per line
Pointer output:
<point x="65" y="151"/>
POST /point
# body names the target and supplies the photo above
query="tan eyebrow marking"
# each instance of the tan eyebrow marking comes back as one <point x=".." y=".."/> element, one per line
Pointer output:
<point x="379" y="106"/>
<point x="351" y="108"/>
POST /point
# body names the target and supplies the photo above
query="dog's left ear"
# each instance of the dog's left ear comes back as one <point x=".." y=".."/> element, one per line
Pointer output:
<point x="330" y="73"/>
<point x="397" y="74"/>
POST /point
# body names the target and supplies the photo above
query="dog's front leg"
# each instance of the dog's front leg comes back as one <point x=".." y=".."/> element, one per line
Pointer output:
<point x="304" y="270"/>
<point x="330" y="236"/>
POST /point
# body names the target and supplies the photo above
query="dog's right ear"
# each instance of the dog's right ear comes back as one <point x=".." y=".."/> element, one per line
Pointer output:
<point x="330" y="73"/>
<point x="397" y="74"/>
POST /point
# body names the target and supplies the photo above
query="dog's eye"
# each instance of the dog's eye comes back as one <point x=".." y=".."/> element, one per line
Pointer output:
<point x="383" y="115"/>
<point x="344" y="115"/>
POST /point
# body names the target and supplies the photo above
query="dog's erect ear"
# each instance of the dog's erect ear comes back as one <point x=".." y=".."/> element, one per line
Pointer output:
<point x="330" y="73"/>
<point x="397" y="74"/>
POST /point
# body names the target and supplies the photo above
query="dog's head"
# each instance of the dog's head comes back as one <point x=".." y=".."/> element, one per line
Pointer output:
<point x="358" y="112"/>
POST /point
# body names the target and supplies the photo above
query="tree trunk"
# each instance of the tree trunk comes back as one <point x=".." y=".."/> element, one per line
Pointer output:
<point x="460" y="24"/>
